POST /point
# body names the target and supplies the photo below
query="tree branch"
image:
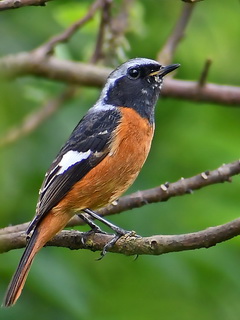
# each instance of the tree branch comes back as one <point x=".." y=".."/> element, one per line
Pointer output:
<point x="15" y="4"/>
<point x="53" y="68"/>
<point x="213" y="93"/>
<point x="169" y="48"/>
<point x="47" y="48"/>
<point x="91" y="75"/>
<point x="169" y="190"/>
<point x="33" y="120"/>
<point x="105" y="18"/>
<point x="154" y="245"/>
<point x="132" y="244"/>
<point x="158" y="194"/>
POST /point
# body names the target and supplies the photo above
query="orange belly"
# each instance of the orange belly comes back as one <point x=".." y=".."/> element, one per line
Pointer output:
<point x="115" y="173"/>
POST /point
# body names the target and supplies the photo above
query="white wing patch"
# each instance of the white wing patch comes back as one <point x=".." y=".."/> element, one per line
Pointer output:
<point x="70" y="158"/>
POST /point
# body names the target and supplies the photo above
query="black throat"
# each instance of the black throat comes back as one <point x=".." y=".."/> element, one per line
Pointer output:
<point x="139" y="95"/>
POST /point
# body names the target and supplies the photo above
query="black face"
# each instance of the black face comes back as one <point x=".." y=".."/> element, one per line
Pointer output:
<point x="136" y="89"/>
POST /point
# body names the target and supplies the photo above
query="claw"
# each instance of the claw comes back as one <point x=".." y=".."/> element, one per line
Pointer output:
<point x="119" y="232"/>
<point x="86" y="234"/>
<point x="112" y="242"/>
<point x="109" y="245"/>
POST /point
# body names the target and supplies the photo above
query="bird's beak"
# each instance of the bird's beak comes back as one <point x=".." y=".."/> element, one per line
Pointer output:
<point x="165" y="70"/>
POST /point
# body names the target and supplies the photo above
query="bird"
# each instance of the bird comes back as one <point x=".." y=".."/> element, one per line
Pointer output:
<point x="101" y="159"/>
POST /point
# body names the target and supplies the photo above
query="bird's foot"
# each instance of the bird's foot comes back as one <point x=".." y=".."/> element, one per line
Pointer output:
<point x="121" y="233"/>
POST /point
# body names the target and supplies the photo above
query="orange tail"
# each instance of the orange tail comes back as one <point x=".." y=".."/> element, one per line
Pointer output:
<point x="47" y="228"/>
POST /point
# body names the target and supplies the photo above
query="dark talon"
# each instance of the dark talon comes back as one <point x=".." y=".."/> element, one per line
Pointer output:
<point x="112" y="242"/>
<point x="86" y="234"/>
<point x="136" y="257"/>
<point x="109" y="245"/>
<point x="94" y="228"/>
<point x="119" y="232"/>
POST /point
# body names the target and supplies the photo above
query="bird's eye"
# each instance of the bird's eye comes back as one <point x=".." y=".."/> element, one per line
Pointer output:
<point x="134" y="73"/>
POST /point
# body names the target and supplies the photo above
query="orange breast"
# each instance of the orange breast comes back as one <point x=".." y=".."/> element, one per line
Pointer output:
<point x="115" y="173"/>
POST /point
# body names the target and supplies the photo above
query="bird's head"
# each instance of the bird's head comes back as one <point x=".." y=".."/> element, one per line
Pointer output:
<point x="135" y="84"/>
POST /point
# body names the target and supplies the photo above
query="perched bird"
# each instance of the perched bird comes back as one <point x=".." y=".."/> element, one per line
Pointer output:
<point x="100" y="160"/>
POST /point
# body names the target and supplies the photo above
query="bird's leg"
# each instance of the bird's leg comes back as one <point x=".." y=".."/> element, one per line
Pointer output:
<point x="94" y="228"/>
<point x="119" y="232"/>
<point x="112" y="226"/>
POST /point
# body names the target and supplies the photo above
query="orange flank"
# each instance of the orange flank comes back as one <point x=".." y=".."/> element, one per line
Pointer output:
<point x="118" y="170"/>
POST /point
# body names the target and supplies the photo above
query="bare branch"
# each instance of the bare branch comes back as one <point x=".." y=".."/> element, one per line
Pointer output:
<point x="14" y="229"/>
<point x="158" y="194"/>
<point x="32" y="121"/>
<point x="159" y="244"/>
<point x="53" y="68"/>
<point x="47" y="48"/>
<point x="105" y="19"/>
<point x="91" y="75"/>
<point x="154" y="245"/>
<point x="169" y="190"/>
<point x="203" y="78"/>
<point x="15" y="4"/>
<point x="35" y="119"/>
<point x="214" y="93"/>
<point x="132" y="244"/>
<point x="115" y="27"/>
<point x="165" y="56"/>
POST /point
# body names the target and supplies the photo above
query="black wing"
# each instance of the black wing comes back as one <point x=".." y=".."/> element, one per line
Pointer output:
<point x="86" y="147"/>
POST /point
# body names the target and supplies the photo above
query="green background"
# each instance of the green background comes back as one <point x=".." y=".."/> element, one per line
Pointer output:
<point x="191" y="137"/>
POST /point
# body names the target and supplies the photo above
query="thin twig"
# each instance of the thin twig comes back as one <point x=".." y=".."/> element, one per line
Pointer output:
<point x="165" y="56"/>
<point x="157" y="194"/>
<point x="203" y="78"/>
<point x="111" y="41"/>
<point x="105" y="19"/>
<point x="116" y="41"/>
<point x="35" y="119"/>
<point x="47" y="48"/>
<point x="15" y="4"/>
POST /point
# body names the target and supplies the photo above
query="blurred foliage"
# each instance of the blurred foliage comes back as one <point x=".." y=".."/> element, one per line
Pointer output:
<point x="190" y="138"/>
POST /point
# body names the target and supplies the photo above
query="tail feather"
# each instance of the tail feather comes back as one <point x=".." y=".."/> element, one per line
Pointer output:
<point x="18" y="280"/>
<point x="43" y="232"/>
